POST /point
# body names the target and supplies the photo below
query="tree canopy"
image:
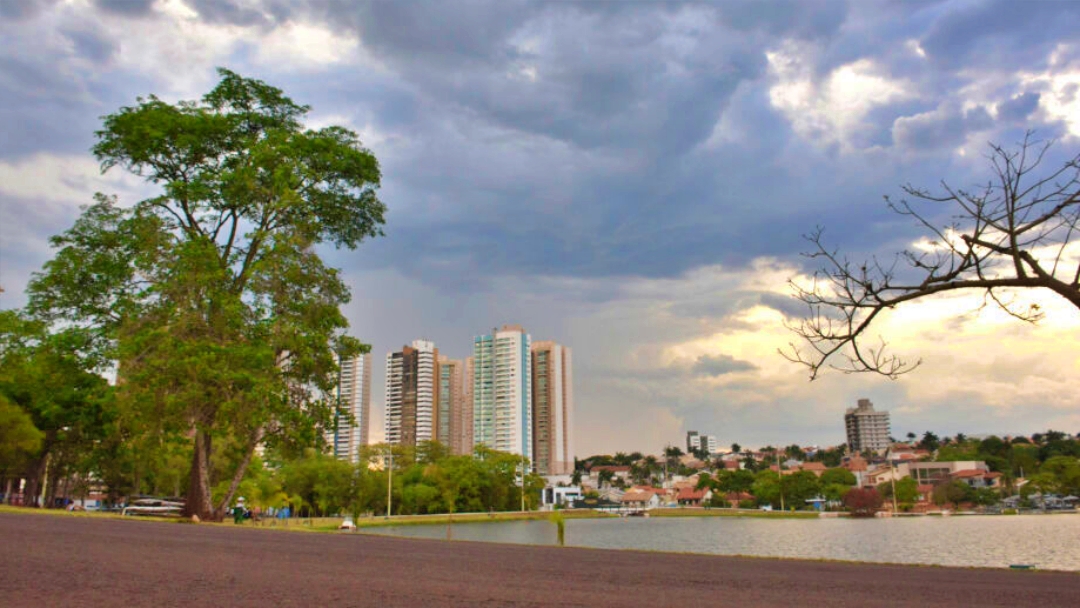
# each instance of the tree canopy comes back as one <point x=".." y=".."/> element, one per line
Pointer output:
<point x="209" y="299"/>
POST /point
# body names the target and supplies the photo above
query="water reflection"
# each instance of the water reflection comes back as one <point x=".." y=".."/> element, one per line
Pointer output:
<point x="1048" y="541"/>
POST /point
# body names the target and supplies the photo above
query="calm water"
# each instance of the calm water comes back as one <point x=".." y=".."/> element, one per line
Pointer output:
<point x="1048" y="541"/>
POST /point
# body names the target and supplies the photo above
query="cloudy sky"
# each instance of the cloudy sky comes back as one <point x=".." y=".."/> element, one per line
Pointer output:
<point x="630" y="179"/>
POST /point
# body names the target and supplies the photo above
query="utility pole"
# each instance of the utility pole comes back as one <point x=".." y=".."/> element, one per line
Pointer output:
<point x="780" y="480"/>
<point x="389" y="479"/>
<point x="892" y="479"/>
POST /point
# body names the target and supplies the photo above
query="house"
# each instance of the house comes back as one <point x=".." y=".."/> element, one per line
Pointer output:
<point x="640" y="499"/>
<point x="817" y="468"/>
<point x="560" y="495"/>
<point x="734" y="498"/>
<point x="978" y="478"/>
<point x="691" y="497"/>
<point x="732" y="465"/>
<point x="611" y="493"/>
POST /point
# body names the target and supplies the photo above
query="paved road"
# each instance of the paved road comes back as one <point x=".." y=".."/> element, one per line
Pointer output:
<point x="62" y="561"/>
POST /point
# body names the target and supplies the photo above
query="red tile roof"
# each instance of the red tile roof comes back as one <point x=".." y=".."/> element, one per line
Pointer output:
<point x="691" y="494"/>
<point x="637" y="496"/>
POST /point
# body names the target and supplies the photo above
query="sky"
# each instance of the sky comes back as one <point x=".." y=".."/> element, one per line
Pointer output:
<point x="632" y="180"/>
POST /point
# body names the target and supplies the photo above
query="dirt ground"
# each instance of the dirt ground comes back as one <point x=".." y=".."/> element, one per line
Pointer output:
<point x="68" y="561"/>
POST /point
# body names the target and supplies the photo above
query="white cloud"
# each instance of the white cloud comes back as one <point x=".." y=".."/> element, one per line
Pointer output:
<point x="830" y="109"/>
<point x="295" y="46"/>
<point x="68" y="180"/>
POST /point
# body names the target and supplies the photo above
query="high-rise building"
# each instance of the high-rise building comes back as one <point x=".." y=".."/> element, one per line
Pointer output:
<point x="502" y="391"/>
<point x="553" y="407"/>
<point x="412" y="390"/>
<point x="867" y="429"/>
<point x="696" y="441"/>
<point x="453" y="415"/>
<point x="353" y="394"/>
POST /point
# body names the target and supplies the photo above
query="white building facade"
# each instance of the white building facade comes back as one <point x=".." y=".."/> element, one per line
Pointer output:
<point x="353" y="395"/>
<point x="502" y="390"/>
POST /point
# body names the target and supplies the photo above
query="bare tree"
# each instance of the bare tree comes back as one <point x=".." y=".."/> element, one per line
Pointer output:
<point x="1014" y="232"/>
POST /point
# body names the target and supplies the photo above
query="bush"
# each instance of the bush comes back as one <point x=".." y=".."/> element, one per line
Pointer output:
<point x="863" y="502"/>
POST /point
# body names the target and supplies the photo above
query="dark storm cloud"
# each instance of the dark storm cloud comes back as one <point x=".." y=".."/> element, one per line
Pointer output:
<point x="92" y="45"/>
<point x="574" y="139"/>
<point x="22" y="9"/>
<point x="946" y="127"/>
<point x="1000" y="32"/>
<point x="1019" y="107"/>
<point x="127" y="8"/>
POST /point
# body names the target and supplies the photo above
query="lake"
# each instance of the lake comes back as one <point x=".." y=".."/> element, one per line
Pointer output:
<point x="1050" y="542"/>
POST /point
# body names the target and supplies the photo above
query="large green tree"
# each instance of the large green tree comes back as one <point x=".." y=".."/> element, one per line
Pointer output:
<point x="222" y="320"/>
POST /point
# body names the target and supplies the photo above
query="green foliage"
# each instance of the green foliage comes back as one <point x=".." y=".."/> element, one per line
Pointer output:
<point x="953" y="492"/>
<point x="210" y="296"/>
<point x="796" y="489"/>
<point x="838" y="475"/>
<point x="45" y="375"/>
<point x="907" y="490"/>
<point x="19" y="438"/>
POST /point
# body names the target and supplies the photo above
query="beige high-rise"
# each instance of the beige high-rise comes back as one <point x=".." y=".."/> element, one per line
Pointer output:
<point x="553" y="408"/>
<point x="453" y="415"/>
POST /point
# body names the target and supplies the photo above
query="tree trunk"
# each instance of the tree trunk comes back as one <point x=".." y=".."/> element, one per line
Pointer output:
<point x="198" y="501"/>
<point x="32" y="492"/>
<point x="238" y="476"/>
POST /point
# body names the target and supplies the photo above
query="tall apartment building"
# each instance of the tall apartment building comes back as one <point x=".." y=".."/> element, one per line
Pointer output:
<point x="867" y="429"/>
<point x="353" y="394"/>
<point x="453" y="414"/>
<point x="697" y="441"/>
<point x="412" y="390"/>
<point x="502" y="390"/>
<point x="553" y="407"/>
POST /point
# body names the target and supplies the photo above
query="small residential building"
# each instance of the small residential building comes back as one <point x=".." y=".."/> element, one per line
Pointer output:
<point x="560" y="495"/>
<point x="817" y="468"/>
<point x="734" y="498"/>
<point x="641" y="499"/>
<point x="978" y="478"/>
<point x="692" y="497"/>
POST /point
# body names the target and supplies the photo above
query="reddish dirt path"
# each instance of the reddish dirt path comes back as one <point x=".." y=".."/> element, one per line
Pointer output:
<point x="61" y="561"/>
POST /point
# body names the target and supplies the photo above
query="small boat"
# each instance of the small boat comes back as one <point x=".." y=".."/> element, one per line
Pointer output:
<point x="1021" y="566"/>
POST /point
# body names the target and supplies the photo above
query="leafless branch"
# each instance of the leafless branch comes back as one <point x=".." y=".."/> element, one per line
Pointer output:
<point x="1013" y="232"/>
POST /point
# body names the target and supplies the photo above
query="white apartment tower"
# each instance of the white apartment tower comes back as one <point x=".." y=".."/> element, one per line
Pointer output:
<point x="502" y="390"/>
<point x="353" y="395"/>
<point x="412" y="390"/>
<point x="553" y="409"/>
<point x="867" y="429"/>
